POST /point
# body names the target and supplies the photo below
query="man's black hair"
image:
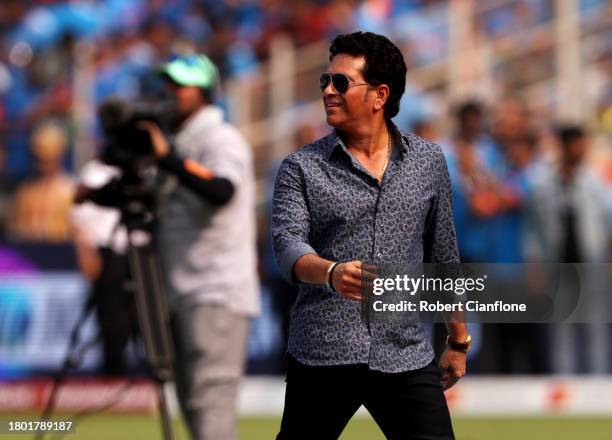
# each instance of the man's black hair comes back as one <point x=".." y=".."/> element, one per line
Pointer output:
<point x="384" y="63"/>
<point x="468" y="108"/>
<point x="569" y="133"/>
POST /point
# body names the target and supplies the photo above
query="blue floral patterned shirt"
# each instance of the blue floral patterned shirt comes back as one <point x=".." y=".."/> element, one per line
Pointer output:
<point x="326" y="203"/>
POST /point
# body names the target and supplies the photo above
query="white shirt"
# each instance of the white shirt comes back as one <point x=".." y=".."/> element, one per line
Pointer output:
<point x="208" y="252"/>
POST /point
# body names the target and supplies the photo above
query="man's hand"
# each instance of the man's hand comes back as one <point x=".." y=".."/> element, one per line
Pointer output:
<point x="452" y="367"/>
<point x="346" y="279"/>
<point x="350" y="278"/>
<point x="161" y="146"/>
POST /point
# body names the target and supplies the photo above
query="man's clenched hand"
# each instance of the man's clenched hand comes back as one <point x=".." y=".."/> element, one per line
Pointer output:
<point x="452" y="367"/>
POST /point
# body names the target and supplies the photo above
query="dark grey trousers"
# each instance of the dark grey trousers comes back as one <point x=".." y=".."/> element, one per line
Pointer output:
<point x="210" y="345"/>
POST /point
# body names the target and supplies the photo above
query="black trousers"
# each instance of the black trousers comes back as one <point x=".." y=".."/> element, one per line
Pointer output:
<point x="320" y="401"/>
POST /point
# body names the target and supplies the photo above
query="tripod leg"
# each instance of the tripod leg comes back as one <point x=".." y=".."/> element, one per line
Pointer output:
<point x="166" y="420"/>
<point x="70" y="361"/>
<point x="46" y="414"/>
<point x="153" y="322"/>
<point x="152" y="310"/>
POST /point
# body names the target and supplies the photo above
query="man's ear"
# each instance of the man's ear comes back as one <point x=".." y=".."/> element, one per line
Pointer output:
<point x="382" y="94"/>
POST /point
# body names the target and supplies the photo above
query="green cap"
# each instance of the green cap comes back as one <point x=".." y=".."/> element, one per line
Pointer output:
<point x="192" y="70"/>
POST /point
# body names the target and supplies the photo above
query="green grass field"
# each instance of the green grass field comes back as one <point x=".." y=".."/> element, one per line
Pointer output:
<point x="142" y="427"/>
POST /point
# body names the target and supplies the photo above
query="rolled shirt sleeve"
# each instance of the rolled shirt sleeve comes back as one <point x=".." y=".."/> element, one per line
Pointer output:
<point x="290" y="219"/>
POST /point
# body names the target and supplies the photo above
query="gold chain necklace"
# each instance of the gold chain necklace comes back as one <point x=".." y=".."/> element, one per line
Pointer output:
<point x="389" y="148"/>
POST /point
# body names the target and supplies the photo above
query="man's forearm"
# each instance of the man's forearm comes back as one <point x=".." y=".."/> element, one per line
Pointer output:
<point x="311" y="269"/>
<point x="201" y="180"/>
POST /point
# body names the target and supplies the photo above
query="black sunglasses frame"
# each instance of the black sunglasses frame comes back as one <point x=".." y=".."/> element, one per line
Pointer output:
<point x="340" y="81"/>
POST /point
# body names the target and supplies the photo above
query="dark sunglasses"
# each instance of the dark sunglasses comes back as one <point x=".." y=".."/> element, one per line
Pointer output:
<point x="340" y="81"/>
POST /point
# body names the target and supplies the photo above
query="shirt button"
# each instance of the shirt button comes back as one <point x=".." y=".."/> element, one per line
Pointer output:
<point x="379" y="255"/>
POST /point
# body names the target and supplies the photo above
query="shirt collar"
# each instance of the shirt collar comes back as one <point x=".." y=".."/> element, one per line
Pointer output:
<point x="335" y="141"/>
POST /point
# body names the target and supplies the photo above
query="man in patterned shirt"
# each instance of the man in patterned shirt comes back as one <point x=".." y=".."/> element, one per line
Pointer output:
<point x="366" y="193"/>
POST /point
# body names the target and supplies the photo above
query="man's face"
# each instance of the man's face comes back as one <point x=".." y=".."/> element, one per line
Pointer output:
<point x="575" y="150"/>
<point x="356" y="105"/>
<point x="471" y="122"/>
<point x="188" y="98"/>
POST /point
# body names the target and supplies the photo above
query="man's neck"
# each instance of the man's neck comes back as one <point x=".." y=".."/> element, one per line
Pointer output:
<point x="186" y="119"/>
<point x="368" y="139"/>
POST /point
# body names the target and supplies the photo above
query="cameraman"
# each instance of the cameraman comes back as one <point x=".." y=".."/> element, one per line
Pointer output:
<point x="206" y="232"/>
<point x="207" y="248"/>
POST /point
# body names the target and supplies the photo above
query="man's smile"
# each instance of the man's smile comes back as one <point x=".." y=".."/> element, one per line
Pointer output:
<point x="332" y="104"/>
